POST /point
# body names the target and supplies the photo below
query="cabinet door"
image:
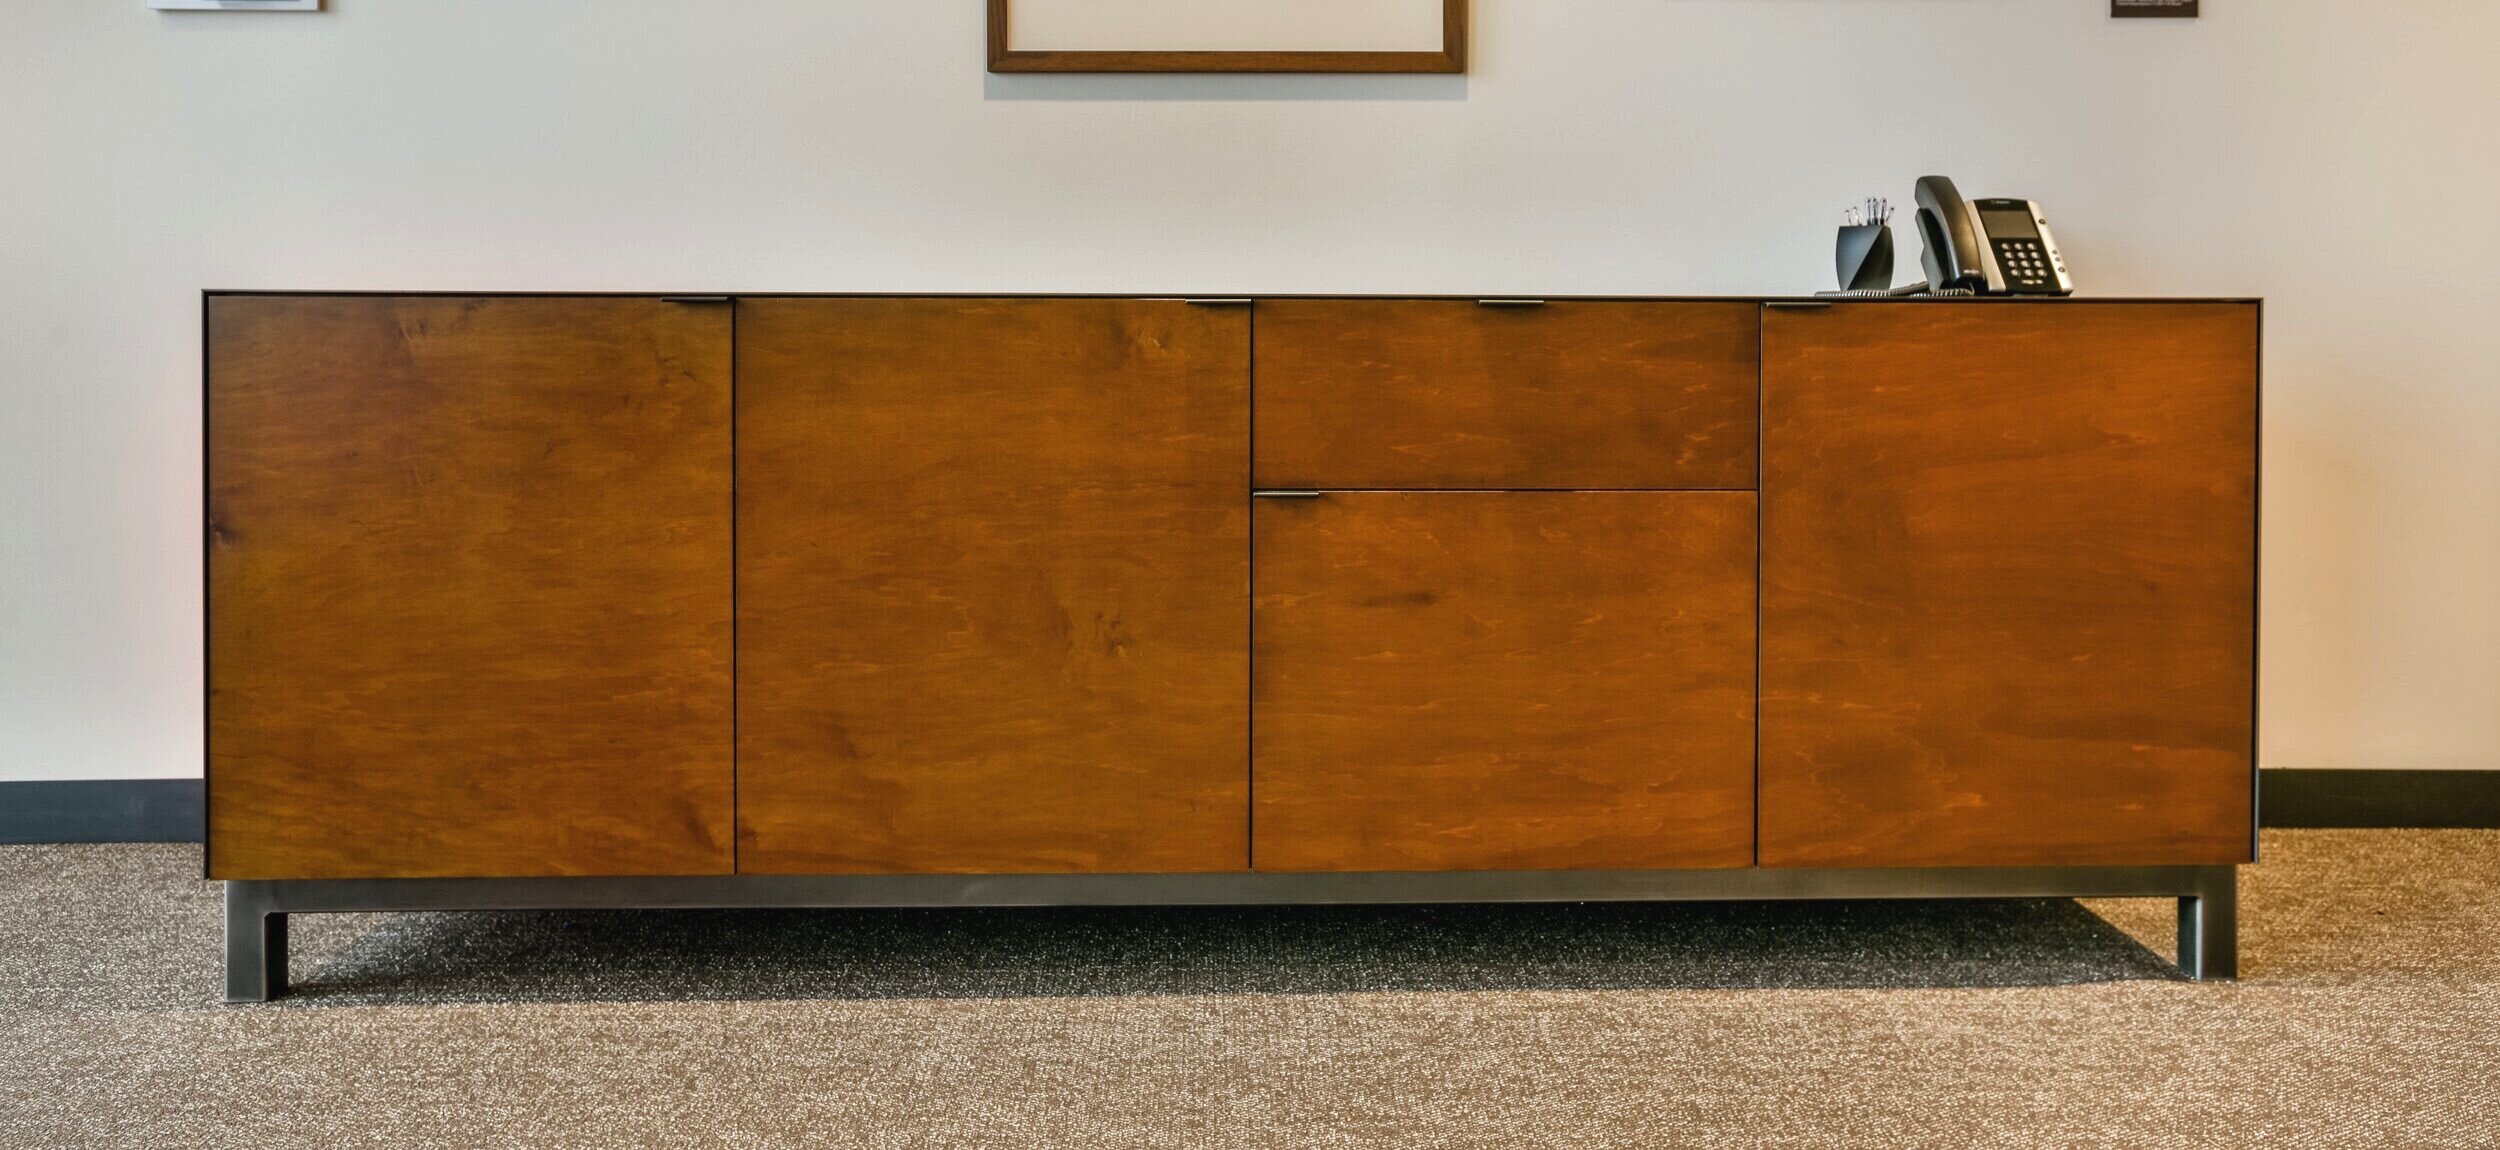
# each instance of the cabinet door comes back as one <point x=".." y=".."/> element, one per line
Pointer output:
<point x="1450" y="394"/>
<point x="1504" y="681"/>
<point x="468" y="587"/>
<point x="993" y="585"/>
<point x="2008" y="598"/>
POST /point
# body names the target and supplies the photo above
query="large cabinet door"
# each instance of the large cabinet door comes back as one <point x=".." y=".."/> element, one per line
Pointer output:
<point x="468" y="587"/>
<point x="1504" y="681"/>
<point x="993" y="585"/>
<point x="2008" y="584"/>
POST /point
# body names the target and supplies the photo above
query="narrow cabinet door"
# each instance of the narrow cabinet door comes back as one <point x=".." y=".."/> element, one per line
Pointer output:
<point x="993" y="585"/>
<point x="1504" y="681"/>
<point x="2008" y="599"/>
<point x="468" y="587"/>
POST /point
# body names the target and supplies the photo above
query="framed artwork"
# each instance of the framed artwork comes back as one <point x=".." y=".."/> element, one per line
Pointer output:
<point x="235" y="5"/>
<point x="1228" y="35"/>
<point x="2183" y="9"/>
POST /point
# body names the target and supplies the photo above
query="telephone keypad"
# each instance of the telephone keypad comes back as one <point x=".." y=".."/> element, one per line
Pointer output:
<point x="2026" y="265"/>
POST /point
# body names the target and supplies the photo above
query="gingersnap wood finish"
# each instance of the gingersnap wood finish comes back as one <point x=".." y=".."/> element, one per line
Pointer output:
<point x="1424" y="394"/>
<point x="2009" y="565"/>
<point x="1504" y="681"/>
<point x="469" y="587"/>
<point x="993" y="585"/>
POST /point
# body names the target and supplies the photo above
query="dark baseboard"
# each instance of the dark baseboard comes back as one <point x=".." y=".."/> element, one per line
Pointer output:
<point x="171" y="810"/>
<point x="2422" y="799"/>
<point x="103" y="811"/>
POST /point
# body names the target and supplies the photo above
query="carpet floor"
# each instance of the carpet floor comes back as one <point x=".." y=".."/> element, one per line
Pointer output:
<point x="2369" y="1015"/>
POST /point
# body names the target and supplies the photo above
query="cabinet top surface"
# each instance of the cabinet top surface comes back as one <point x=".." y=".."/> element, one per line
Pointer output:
<point x="1253" y="296"/>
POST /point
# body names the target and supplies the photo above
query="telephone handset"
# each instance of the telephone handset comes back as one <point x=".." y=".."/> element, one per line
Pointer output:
<point x="1989" y="247"/>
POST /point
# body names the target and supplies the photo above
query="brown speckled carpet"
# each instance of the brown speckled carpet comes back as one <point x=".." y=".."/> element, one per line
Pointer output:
<point x="2370" y="1016"/>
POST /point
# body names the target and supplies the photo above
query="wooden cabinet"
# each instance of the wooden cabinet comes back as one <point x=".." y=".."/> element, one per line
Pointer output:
<point x="1453" y="394"/>
<point x="468" y="587"/>
<point x="1504" y="681"/>
<point x="2008" y="584"/>
<point x="993" y="585"/>
<point x="478" y="582"/>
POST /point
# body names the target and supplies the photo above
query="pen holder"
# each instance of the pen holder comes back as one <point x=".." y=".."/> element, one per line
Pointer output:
<point x="1865" y="257"/>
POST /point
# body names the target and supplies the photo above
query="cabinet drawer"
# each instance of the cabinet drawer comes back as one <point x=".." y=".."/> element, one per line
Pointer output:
<point x="1503" y="681"/>
<point x="1452" y="394"/>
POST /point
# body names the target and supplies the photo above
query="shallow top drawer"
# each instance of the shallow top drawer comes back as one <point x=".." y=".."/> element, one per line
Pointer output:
<point x="1416" y="394"/>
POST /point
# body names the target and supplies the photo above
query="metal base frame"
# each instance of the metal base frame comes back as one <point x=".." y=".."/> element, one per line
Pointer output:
<point x="257" y="909"/>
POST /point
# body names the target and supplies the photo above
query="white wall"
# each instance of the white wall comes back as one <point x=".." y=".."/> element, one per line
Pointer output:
<point x="2333" y="155"/>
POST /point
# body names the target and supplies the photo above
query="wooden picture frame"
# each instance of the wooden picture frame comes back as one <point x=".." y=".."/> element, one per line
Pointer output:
<point x="1450" y="58"/>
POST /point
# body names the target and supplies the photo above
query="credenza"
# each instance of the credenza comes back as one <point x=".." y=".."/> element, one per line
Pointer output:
<point x="523" y="601"/>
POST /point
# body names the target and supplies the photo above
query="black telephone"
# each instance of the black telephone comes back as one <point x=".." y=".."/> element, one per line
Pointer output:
<point x="2017" y="256"/>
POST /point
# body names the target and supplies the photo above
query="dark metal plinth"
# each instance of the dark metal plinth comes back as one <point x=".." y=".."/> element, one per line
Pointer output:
<point x="256" y="910"/>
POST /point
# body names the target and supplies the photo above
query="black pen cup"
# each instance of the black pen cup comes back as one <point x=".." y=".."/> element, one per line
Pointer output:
<point x="1864" y="258"/>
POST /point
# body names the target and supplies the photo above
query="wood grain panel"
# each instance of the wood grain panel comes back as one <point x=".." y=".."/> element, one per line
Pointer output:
<point x="994" y="586"/>
<point x="1504" y="681"/>
<point x="2009" y="564"/>
<point x="1424" y="394"/>
<point x="469" y="587"/>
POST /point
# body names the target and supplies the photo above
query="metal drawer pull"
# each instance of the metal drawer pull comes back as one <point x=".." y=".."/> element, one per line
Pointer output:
<point x="1510" y="303"/>
<point x="1284" y="495"/>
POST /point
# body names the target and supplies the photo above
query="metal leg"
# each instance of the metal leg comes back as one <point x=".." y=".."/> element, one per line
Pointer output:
<point x="255" y="944"/>
<point x="2209" y="926"/>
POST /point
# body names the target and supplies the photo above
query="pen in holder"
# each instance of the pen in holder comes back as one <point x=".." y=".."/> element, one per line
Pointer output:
<point x="1865" y="257"/>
